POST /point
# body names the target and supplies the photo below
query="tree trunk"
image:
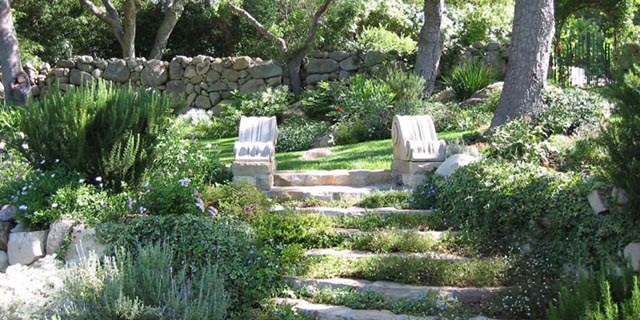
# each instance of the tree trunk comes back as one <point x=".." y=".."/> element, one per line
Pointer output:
<point x="430" y="45"/>
<point x="533" y="29"/>
<point x="129" y="40"/>
<point x="294" y="63"/>
<point x="10" y="57"/>
<point x="173" y="12"/>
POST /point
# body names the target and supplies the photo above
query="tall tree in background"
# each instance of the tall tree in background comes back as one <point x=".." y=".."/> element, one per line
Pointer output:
<point x="430" y="45"/>
<point x="293" y="54"/>
<point x="533" y="30"/>
<point x="172" y="12"/>
<point x="9" y="55"/>
<point x="124" y="30"/>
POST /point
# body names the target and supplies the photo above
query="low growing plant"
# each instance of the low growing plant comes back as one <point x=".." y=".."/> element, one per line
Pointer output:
<point x="297" y="134"/>
<point x="240" y="200"/>
<point x="469" y="77"/>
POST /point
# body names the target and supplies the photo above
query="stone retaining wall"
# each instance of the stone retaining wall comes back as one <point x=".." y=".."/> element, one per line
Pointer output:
<point x="204" y="81"/>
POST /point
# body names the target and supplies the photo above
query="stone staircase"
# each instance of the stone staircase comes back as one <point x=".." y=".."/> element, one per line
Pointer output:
<point x="330" y="184"/>
<point x="344" y="184"/>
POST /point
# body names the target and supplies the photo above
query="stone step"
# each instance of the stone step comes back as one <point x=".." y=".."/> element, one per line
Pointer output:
<point x="326" y="311"/>
<point x="326" y="193"/>
<point x="393" y="291"/>
<point x="351" y="178"/>
<point x="435" y="235"/>
<point x="353" y="211"/>
<point x="355" y="254"/>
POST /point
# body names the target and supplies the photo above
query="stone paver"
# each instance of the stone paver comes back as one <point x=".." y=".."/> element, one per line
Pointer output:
<point x="354" y="211"/>
<point x="355" y="254"/>
<point x="393" y="291"/>
<point x="324" y="311"/>
<point x="353" y="178"/>
<point x="327" y="193"/>
<point x="435" y="235"/>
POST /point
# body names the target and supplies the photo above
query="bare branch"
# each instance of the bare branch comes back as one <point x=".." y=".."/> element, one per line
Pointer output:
<point x="113" y="12"/>
<point x="113" y="19"/>
<point x="315" y="23"/>
<point x="280" y="43"/>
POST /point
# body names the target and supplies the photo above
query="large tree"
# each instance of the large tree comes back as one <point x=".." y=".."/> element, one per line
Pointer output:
<point x="10" y="57"/>
<point x="533" y="30"/>
<point x="430" y="45"/>
<point x="293" y="53"/>
<point x="125" y="29"/>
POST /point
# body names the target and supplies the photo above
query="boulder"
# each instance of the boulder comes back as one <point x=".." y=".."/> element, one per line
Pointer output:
<point x="100" y="64"/>
<point x="215" y="98"/>
<point x="80" y="78"/>
<point x="373" y="58"/>
<point x="315" y="78"/>
<point x="321" y="66"/>
<point x="349" y="64"/>
<point x="4" y="261"/>
<point x="230" y="75"/>
<point x="213" y="76"/>
<point x="252" y="86"/>
<point x="57" y="233"/>
<point x="154" y="74"/>
<point x="7" y="213"/>
<point x="84" y="67"/>
<point x="202" y="68"/>
<point x="176" y="71"/>
<point x="202" y="102"/>
<point x="175" y="88"/>
<point x="190" y="72"/>
<point x="117" y="70"/>
<point x="315" y="154"/>
<point x="632" y="254"/>
<point x="5" y="229"/>
<point x="596" y="203"/>
<point x="83" y="243"/>
<point x="265" y="70"/>
<point x="85" y="59"/>
<point x="241" y="63"/>
<point x="493" y="46"/>
<point x="26" y="247"/>
<point x="454" y="162"/>
<point x="339" y="55"/>
<point x="66" y="64"/>
<point x="275" y="81"/>
<point x="323" y="141"/>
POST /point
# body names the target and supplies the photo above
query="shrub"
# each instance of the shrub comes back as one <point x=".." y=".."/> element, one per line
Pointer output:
<point x="600" y="295"/>
<point x="451" y="117"/>
<point x="469" y="77"/>
<point x="251" y="268"/>
<point x="380" y="39"/>
<point x="270" y="102"/>
<point x="299" y="134"/>
<point x="569" y="110"/>
<point x="237" y="200"/>
<point x="307" y="230"/>
<point x="318" y="102"/>
<point x="100" y="131"/>
<point x="142" y="286"/>
<point x="397" y="199"/>
<point x="621" y="141"/>
<point x="170" y="195"/>
<point x="522" y="141"/>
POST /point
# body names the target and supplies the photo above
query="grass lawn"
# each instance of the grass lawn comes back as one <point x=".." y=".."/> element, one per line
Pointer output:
<point x="365" y="155"/>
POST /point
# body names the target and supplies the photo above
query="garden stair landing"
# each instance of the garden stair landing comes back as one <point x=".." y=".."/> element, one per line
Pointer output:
<point x="330" y="184"/>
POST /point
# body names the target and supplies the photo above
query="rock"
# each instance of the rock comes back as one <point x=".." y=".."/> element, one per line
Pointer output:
<point x="230" y="75"/>
<point x="478" y="45"/>
<point x="66" y="64"/>
<point x="482" y="96"/>
<point x="215" y="98"/>
<point x="4" y="261"/>
<point x="454" y="162"/>
<point x="339" y="55"/>
<point x="315" y="78"/>
<point x="273" y="82"/>
<point x="84" y="67"/>
<point x="632" y="253"/>
<point x="241" y="63"/>
<point x="321" y="66"/>
<point x="319" y="54"/>
<point x="218" y="86"/>
<point x="203" y="102"/>
<point x="232" y="85"/>
<point x="7" y="213"/>
<point x="373" y="58"/>
<point x="132" y="64"/>
<point x="199" y="59"/>
<point x="349" y="64"/>
<point x="96" y="73"/>
<point x="323" y="141"/>
<point x="85" y="59"/>
<point x="83" y="243"/>
<point x="265" y="70"/>
<point x="100" y="64"/>
<point x="252" y="86"/>
<point x="176" y="71"/>
<point x="59" y="72"/>
<point x="57" y="233"/>
<point x="191" y="98"/>
<point x="5" y="229"/>
<point x="202" y="68"/>
<point x="134" y="77"/>
<point x="154" y="74"/>
<point x="19" y="228"/>
<point x="596" y="203"/>
<point x="217" y="65"/>
<point x="117" y="71"/>
<point x="620" y="196"/>
<point x="80" y="78"/>
<point x="344" y="75"/>
<point x="315" y="154"/>
<point x="493" y="46"/>
<point x="190" y="72"/>
<point x="197" y="79"/>
<point x="26" y="247"/>
<point x="175" y="88"/>
<point x="213" y="76"/>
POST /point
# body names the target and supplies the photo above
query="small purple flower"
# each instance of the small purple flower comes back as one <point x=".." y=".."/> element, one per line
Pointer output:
<point x="200" y="204"/>
<point x="212" y="211"/>
<point x="184" y="182"/>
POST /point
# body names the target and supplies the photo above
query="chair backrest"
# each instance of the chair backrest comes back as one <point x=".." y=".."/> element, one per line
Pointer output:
<point x="414" y="139"/>
<point x="258" y="129"/>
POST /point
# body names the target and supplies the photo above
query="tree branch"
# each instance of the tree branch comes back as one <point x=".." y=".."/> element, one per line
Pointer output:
<point x="280" y="43"/>
<point x="113" y="19"/>
<point x="315" y="23"/>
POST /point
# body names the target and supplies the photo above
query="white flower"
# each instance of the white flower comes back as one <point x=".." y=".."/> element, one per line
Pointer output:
<point x="56" y="160"/>
<point x="184" y="182"/>
<point x="81" y="181"/>
<point x="54" y="205"/>
<point x="42" y="161"/>
<point x="25" y="146"/>
<point x="53" y="175"/>
<point x="142" y="209"/>
<point x="98" y="179"/>
<point x="22" y="207"/>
